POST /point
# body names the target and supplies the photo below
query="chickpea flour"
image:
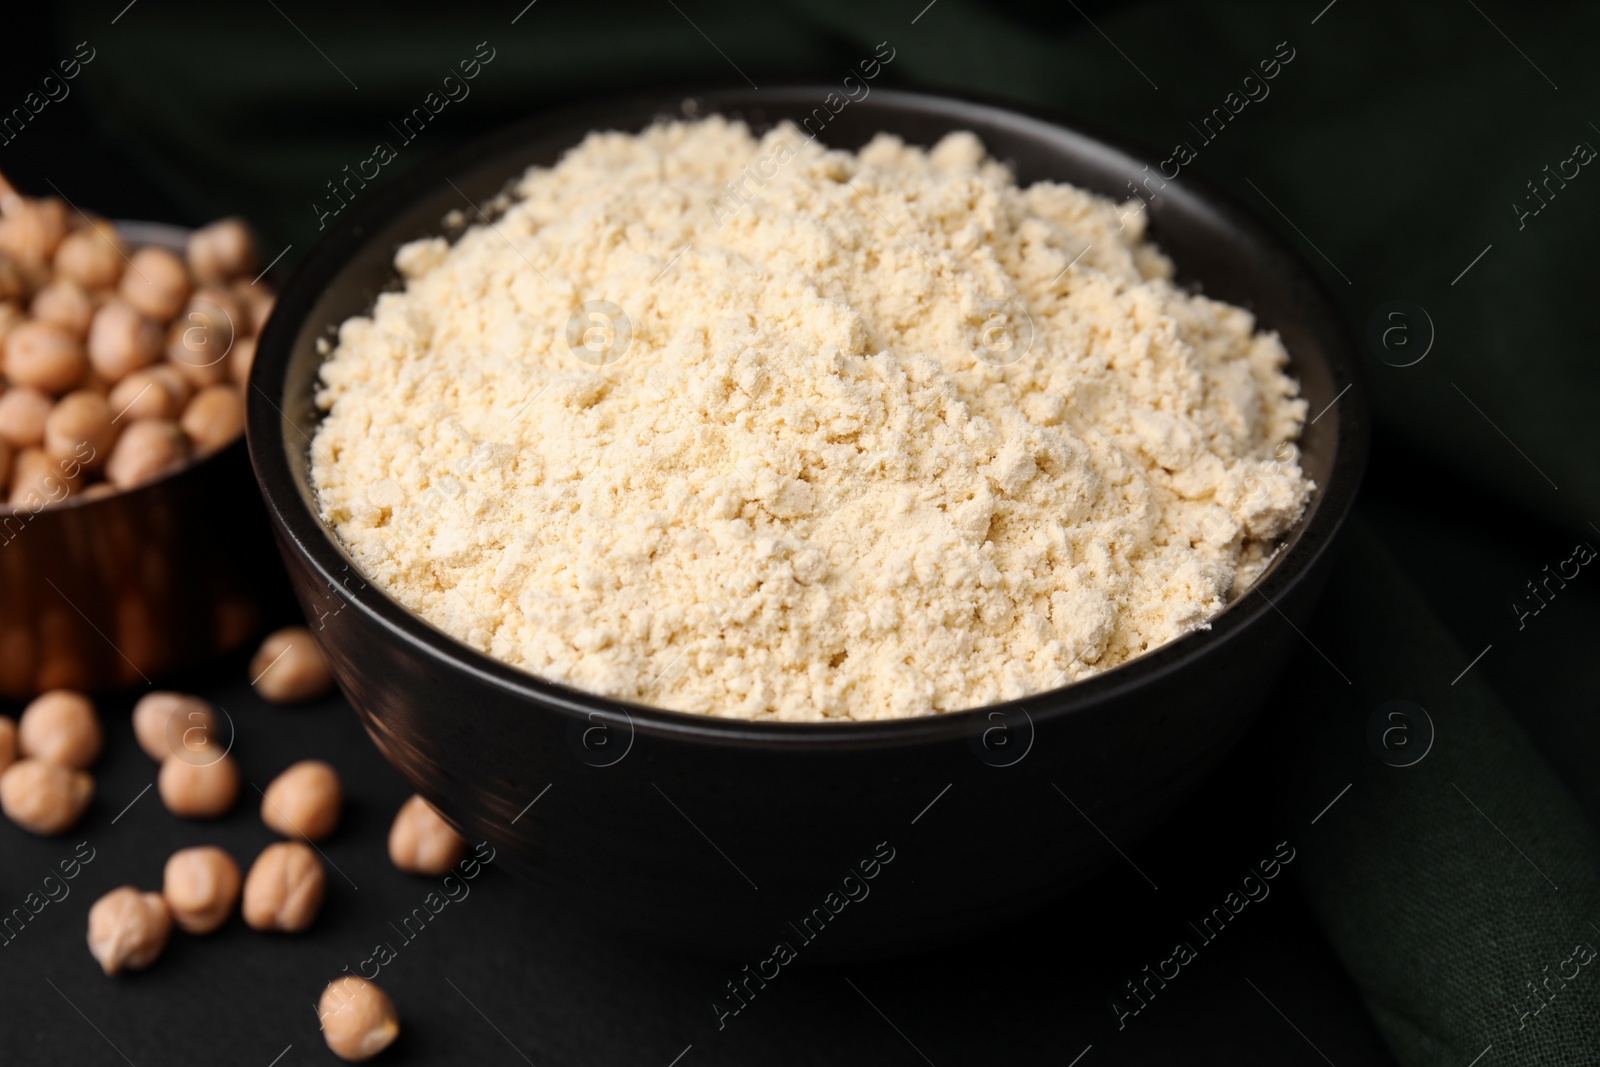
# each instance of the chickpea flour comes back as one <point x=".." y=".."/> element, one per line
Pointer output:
<point x="897" y="437"/>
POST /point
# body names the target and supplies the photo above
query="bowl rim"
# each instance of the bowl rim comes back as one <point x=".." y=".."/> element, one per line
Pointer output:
<point x="302" y="531"/>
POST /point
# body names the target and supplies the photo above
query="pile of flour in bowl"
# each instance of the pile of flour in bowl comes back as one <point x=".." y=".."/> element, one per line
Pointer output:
<point x="752" y="428"/>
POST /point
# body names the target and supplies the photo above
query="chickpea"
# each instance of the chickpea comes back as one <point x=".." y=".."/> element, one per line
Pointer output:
<point x="32" y="229"/>
<point x="198" y="790"/>
<point x="66" y="304"/>
<point x="220" y="306"/>
<point x="290" y="667"/>
<point x="165" y="722"/>
<point x="128" y="929"/>
<point x="81" y="222"/>
<point x="45" y="356"/>
<point x="214" y="418"/>
<point x="60" y="727"/>
<point x="22" y="415"/>
<point x="284" y="888"/>
<point x="304" y="801"/>
<point x="257" y="300"/>
<point x="35" y="276"/>
<point x="200" y="886"/>
<point x="44" y="798"/>
<point x="175" y="382"/>
<point x="199" y="341"/>
<point x="122" y="339"/>
<point x="8" y="743"/>
<point x="156" y="283"/>
<point x="80" y="427"/>
<point x="421" y="842"/>
<point x="11" y="315"/>
<point x="13" y="279"/>
<point x="192" y="365"/>
<point x="240" y="360"/>
<point x="358" y="1019"/>
<point x="38" y="481"/>
<point x="146" y="450"/>
<point x="92" y="256"/>
<point x="96" y="383"/>
<point x="158" y="392"/>
<point x="225" y="249"/>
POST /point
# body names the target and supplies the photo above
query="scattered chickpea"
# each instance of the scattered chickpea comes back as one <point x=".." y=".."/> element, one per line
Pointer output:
<point x="80" y="427"/>
<point x="146" y="450"/>
<point x="45" y="356"/>
<point x="66" y="304"/>
<point x="36" y="479"/>
<point x="196" y="790"/>
<point x="122" y="339"/>
<point x="44" y="798"/>
<point x="358" y="1019"/>
<point x="165" y="722"/>
<point x="128" y="929"/>
<point x="225" y="249"/>
<point x="200" y="886"/>
<point x="214" y="418"/>
<point x="156" y="283"/>
<point x="60" y="727"/>
<point x="22" y="415"/>
<point x="8" y="743"/>
<point x="284" y="888"/>
<point x="290" y="667"/>
<point x="152" y="393"/>
<point x="92" y="257"/>
<point x="421" y="842"/>
<point x="304" y="801"/>
<point x="32" y="229"/>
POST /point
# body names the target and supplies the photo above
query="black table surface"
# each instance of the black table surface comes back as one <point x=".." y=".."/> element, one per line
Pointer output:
<point x="502" y="975"/>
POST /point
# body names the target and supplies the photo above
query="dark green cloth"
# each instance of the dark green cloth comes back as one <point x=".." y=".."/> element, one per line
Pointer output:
<point x="1391" y="151"/>
<point x="1450" y="885"/>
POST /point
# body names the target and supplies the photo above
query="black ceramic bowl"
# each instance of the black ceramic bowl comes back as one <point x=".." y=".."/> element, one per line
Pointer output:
<point x="843" y="840"/>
